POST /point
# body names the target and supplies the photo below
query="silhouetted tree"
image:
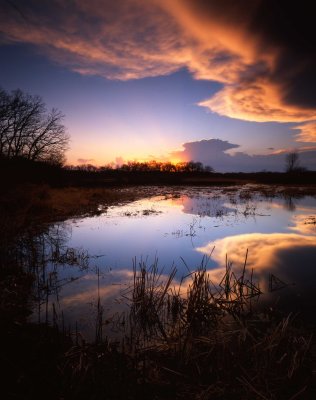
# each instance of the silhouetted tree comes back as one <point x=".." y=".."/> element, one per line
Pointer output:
<point x="28" y="130"/>
<point x="208" y="168"/>
<point x="168" y="167"/>
<point x="292" y="162"/>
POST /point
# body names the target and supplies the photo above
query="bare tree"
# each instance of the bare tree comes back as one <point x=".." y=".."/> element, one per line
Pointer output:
<point x="292" y="162"/>
<point x="5" y="121"/>
<point x="27" y="130"/>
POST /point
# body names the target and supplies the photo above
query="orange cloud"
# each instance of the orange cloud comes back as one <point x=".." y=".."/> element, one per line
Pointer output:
<point x="130" y="39"/>
<point x="133" y="39"/>
<point x="259" y="101"/>
<point x="216" y="50"/>
<point x="307" y="132"/>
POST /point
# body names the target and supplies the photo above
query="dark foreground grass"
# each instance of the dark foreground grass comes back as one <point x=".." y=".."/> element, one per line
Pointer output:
<point x="197" y="340"/>
<point x="214" y="341"/>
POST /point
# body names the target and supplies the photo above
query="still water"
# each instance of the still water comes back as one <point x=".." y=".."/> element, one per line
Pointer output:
<point x="182" y="227"/>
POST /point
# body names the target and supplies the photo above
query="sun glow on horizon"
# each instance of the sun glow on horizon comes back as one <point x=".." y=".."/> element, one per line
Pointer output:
<point x="116" y="153"/>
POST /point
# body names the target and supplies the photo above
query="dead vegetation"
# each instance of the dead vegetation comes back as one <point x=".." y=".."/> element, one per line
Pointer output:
<point x="29" y="203"/>
<point x="212" y="341"/>
<point x="196" y="340"/>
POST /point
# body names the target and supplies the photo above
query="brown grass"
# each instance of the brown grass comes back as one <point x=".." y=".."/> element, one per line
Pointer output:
<point x="75" y="200"/>
<point x="29" y="203"/>
<point x="213" y="342"/>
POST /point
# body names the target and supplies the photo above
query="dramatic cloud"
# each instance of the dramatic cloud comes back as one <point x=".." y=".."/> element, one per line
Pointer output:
<point x="124" y="39"/>
<point x="204" y="151"/>
<point x="213" y="152"/>
<point x="257" y="101"/>
<point x="307" y="132"/>
<point x="277" y="81"/>
<point x="263" y="52"/>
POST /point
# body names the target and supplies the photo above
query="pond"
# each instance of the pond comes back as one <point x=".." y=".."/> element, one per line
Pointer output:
<point x="91" y="258"/>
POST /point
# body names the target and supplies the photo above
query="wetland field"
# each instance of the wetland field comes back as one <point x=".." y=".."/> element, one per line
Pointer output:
<point x="187" y="292"/>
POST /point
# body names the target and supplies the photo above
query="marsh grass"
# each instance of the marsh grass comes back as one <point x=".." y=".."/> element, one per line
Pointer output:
<point x="210" y="340"/>
<point x="196" y="339"/>
<point x="30" y="204"/>
<point x="196" y="304"/>
<point x="193" y="339"/>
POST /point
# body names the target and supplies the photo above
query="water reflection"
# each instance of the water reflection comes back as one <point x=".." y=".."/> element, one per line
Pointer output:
<point x="210" y="205"/>
<point x="266" y="251"/>
<point x="82" y="260"/>
<point x="304" y="224"/>
<point x="287" y="257"/>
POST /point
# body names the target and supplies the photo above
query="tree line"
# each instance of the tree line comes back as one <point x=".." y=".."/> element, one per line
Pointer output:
<point x="147" y="166"/>
<point x="28" y="130"/>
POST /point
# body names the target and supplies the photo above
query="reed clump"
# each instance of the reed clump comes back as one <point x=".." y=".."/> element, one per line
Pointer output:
<point x="213" y="341"/>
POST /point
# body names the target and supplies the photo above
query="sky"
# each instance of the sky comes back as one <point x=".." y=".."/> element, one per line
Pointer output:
<point x="230" y="83"/>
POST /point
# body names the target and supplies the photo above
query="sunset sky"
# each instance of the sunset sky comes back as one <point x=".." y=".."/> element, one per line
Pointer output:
<point x="231" y="83"/>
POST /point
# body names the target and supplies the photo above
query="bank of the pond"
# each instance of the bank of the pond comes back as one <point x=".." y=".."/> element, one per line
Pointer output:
<point x="29" y="203"/>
